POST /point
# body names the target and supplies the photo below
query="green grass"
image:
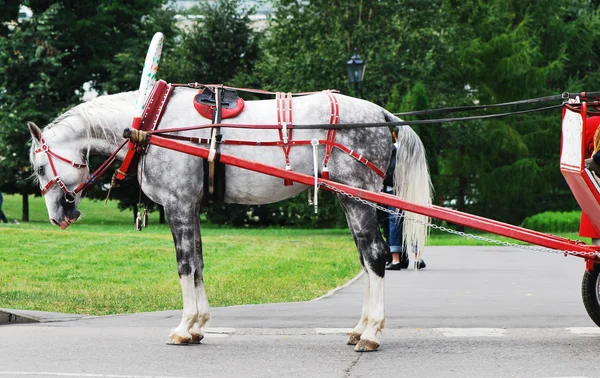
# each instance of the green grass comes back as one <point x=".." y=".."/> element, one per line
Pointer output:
<point x="100" y="265"/>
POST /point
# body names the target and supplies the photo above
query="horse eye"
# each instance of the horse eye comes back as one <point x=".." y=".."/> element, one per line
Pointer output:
<point x="40" y="171"/>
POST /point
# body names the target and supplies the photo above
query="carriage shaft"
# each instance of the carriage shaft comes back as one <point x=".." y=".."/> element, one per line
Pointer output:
<point x="450" y="215"/>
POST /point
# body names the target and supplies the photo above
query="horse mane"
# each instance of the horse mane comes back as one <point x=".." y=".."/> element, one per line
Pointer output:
<point x="92" y="115"/>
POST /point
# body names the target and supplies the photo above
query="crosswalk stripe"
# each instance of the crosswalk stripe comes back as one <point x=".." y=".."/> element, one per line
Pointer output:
<point x="332" y="331"/>
<point x="472" y="332"/>
<point x="584" y="331"/>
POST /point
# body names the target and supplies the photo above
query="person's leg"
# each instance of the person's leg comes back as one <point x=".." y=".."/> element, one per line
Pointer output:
<point x="3" y="217"/>
<point x="395" y="242"/>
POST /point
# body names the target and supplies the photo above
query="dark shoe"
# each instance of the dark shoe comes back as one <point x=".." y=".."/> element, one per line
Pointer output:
<point x="421" y="264"/>
<point x="404" y="260"/>
<point x="393" y="266"/>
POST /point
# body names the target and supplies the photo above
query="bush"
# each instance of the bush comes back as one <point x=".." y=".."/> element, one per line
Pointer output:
<point x="554" y="221"/>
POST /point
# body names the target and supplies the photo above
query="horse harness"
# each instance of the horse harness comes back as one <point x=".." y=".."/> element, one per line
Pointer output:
<point x="217" y="98"/>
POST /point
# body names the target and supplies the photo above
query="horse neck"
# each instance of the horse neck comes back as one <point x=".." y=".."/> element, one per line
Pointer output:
<point x="96" y="127"/>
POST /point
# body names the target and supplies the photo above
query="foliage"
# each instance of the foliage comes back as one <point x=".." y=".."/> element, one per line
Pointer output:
<point x="507" y="169"/>
<point x="45" y="62"/>
<point x="294" y="212"/>
<point x="554" y="221"/>
<point x="215" y="48"/>
<point x="448" y="53"/>
<point x="212" y="49"/>
<point x="308" y="41"/>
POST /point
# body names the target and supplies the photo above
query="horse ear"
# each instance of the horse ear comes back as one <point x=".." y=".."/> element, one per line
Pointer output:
<point x="35" y="131"/>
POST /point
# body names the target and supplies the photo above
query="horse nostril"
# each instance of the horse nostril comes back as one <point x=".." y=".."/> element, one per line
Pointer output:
<point x="76" y="214"/>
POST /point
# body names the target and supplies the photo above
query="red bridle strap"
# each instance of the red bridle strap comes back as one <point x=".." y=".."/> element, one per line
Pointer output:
<point x="56" y="180"/>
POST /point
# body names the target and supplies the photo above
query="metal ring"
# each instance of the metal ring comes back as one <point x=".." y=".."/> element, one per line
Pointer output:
<point x="69" y="197"/>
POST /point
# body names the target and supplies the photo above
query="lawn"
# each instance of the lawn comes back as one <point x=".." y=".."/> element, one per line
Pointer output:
<point x="100" y="265"/>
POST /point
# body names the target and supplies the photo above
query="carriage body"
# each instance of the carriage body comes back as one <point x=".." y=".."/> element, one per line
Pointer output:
<point x="574" y="149"/>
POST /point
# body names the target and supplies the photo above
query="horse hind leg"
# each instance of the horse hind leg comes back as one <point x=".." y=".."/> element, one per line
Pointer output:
<point x="362" y="220"/>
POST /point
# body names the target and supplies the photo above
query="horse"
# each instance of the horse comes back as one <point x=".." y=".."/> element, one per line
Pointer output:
<point x="175" y="181"/>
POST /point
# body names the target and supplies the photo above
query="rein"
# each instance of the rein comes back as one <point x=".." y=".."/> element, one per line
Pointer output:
<point x="563" y="96"/>
<point x="349" y="125"/>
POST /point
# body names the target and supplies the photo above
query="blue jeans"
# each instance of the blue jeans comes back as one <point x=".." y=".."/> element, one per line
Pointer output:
<point x="395" y="240"/>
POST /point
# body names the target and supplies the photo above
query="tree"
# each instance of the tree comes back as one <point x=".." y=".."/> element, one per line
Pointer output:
<point x="44" y="64"/>
<point x="463" y="52"/>
<point x="215" y="48"/>
<point x="507" y="169"/>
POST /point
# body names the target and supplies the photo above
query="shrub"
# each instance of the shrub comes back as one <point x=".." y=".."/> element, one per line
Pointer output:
<point x="554" y="221"/>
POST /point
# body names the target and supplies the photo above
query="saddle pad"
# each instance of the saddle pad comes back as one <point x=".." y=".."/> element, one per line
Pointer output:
<point x="231" y="105"/>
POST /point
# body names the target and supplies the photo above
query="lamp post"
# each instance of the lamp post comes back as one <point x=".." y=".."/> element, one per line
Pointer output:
<point x="356" y="71"/>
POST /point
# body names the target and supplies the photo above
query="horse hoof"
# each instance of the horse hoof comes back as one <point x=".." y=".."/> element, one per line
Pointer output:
<point x="366" y="346"/>
<point x="196" y="338"/>
<point x="179" y="340"/>
<point x="353" y="338"/>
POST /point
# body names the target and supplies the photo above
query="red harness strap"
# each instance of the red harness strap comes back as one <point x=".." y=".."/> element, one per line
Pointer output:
<point x="284" y="120"/>
<point x="360" y="158"/>
<point x="334" y="119"/>
<point x="153" y="111"/>
<point x="341" y="147"/>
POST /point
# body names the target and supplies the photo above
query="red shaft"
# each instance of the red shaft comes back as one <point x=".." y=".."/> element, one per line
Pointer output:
<point x="454" y="216"/>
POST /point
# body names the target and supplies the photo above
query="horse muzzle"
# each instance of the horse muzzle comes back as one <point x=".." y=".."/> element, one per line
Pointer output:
<point x="67" y="220"/>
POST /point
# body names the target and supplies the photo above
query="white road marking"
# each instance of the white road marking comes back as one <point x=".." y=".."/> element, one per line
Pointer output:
<point x="332" y="331"/>
<point x="472" y="332"/>
<point x="215" y="335"/>
<point x="584" y="331"/>
<point x="219" y="330"/>
<point x="53" y="374"/>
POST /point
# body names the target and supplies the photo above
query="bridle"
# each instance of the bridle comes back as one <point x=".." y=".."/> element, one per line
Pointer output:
<point x="84" y="186"/>
<point x="69" y="196"/>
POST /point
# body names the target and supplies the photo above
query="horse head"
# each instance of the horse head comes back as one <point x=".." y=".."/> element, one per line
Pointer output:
<point x="58" y="169"/>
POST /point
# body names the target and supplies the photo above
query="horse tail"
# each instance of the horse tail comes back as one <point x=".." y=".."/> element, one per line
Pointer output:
<point x="413" y="184"/>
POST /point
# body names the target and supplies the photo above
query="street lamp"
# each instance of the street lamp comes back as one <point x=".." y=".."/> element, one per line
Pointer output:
<point x="356" y="71"/>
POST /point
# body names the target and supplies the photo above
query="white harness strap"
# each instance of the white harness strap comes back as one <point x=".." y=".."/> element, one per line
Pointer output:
<point x="315" y="143"/>
<point x="284" y="119"/>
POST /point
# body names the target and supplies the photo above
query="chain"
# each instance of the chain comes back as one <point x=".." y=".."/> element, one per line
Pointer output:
<point x="398" y="215"/>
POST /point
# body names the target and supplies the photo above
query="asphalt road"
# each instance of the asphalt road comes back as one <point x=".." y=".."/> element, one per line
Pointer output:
<point x="473" y="312"/>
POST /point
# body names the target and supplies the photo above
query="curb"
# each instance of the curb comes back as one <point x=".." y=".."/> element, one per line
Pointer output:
<point x="12" y="316"/>
<point x="7" y="317"/>
<point x="333" y="291"/>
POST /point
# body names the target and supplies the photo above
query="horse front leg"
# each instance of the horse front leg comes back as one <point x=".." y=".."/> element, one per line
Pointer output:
<point x="362" y="220"/>
<point x="185" y="227"/>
